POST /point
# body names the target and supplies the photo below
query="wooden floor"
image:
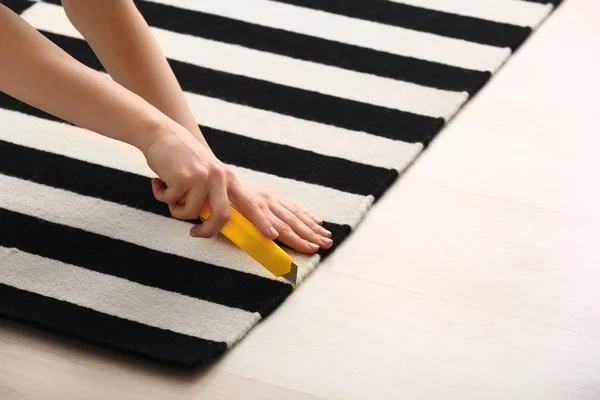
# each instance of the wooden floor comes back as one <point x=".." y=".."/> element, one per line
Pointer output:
<point x="486" y="286"/>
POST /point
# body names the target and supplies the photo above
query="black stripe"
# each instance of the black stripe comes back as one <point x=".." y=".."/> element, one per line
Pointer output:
<point x="18" y="6"/>
<point x="300" y="165"/>
<point x="421" y="19"/>
<point x="298" y="103"/>
<point x="10" y="103"/>
<point x="271" y="158"/>
<point x="101" y="182"/>
<point x="79" y="177"/>
<point x="312" y="106"/>
<point x="89" y="326"/>
<point x="310" y="48"/>
<point x="554" y="2"/>
<point x="139" y="264"/>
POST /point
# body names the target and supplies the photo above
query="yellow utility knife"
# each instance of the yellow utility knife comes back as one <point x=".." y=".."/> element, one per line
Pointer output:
<point x="247" y="237"/>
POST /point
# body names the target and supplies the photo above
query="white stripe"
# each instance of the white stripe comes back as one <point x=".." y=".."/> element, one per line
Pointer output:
<point x="287" y="71"/>
<point x="306" y="135"/>
<point x="277" y="128"/>
<point x="515" y="12"/>
<point x="330" y="204"/>
<point x="148" y="230"/>
<point x="357" y="32"/>
<point x="124" y="299"/>
<point x="311" y="76"/>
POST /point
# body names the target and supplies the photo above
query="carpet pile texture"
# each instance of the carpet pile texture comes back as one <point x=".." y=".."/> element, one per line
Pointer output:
<point x="325" y="101"/>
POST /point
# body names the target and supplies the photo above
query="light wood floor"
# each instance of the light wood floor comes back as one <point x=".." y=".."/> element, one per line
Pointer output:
<point x="476" y="277"/>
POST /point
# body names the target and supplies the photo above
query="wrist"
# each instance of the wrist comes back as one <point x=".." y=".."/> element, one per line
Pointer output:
<point x="152" y="130"/>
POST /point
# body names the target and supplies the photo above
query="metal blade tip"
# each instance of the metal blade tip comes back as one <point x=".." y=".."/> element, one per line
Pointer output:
<point x="292" y="276"/>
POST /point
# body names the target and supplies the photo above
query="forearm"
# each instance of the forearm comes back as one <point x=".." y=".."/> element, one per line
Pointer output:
<point x="41" y="74"/>
<point x="123" y="42"/>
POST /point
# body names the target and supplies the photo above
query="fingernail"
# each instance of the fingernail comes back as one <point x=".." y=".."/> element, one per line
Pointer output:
<point x="273" y="232"/>
<point x="193" y="234"/>
<point x="324" y="232"/>
<point x="313" y="246"/>
<point x="326" y="241"/>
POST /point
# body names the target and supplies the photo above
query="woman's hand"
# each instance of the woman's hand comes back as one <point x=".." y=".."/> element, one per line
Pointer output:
<point x="298" y="228"/>
<point x="189" y="169"/>
<point x="163" y="128"/>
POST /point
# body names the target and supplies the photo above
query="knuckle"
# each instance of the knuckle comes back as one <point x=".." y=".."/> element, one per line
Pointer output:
<point x="254" y="203"/>
<point x="264" y="195"/>
<point x="229" y="174"/>
<point x="285" y="229"/>
<point x="224" y="216"/>
<point x="185" y="179"/>
<point x="313" y="237"/>
<point x="201" y="175"/>
<point x="293" y="220"/>
<point x="295" y="209"/>
<point x="218" y="173"/>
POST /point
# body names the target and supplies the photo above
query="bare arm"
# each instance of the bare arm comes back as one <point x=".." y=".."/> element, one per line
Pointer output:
<point x="152" y="115"/>
<point x="39" y="73"/>
<point x="123" y="42"/>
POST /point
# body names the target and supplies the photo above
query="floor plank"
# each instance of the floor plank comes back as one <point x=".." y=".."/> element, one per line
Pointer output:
<point x="531" y="135"/>
<point x="36" y="365"/>
<point x="337" y="338"/>
<point x="344" y="338"/>
<point x="485" y="288"/>
<point x="493" y="254"/>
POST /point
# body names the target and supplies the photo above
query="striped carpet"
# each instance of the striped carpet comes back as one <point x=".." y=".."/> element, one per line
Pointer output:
<point x="325" y="101"/>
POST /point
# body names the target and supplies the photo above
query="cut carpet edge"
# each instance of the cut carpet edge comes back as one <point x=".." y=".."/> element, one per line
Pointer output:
<point x="379" y="191"/>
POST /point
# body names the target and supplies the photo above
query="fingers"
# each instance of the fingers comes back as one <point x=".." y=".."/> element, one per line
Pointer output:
<point x="305" y="217"/>
<point x="252" y="210"/>
<point x="275" y="218"/>
<point x="315" y="227"/>
<point x="157" y="186"/>
<point x="312" y="216"/>
<point x="219" y="214"/>
<point x="298" y="229"/>
<point x="194" y="200"/>
<point x="290" y="238"/>
<point x="168" y="195"/>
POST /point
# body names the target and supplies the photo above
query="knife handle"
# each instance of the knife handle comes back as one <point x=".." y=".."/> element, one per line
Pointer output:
<point x="247" y="237"/>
